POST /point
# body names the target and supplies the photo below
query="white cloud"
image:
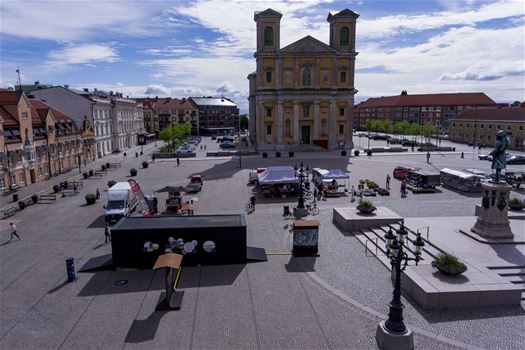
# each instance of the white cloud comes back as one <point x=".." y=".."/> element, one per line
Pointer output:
<point x="74" y="20"/>
<point x="83" y="54"/>
<point x="155" y="89"/>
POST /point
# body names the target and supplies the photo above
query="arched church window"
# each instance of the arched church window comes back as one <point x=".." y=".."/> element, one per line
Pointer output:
<point x="324" y="127"/>
<point x="344" y="36"/>
<point x="268" y="36"/>
<point x="307" y="77"/>
<point x="287" y="128"/>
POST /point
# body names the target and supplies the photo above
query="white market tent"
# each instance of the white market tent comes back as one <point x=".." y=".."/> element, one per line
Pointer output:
<point x="275" y="175"/>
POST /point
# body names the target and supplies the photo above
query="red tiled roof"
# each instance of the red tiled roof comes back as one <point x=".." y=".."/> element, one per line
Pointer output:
<point x="41" y="105"/>
<point x="174" y="103"/>
<point x="504" y="114"/>
<point x="453" y="99"/>
<point x="7" y="117"/>
<point x="10" y="97"/>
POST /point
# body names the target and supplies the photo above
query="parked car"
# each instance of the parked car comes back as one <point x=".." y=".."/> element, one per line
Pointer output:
<point x="516" y="160"/>
<point x="383" y="191"/>
<point x="214" y="137"/>
<point x="406" y="142"/>
<point x="485" y="157"/>
<point x="401" y="172"/>
<point x="396" y="141"/>
<point x="196" y="183"/>
<point x="227" y="145"/>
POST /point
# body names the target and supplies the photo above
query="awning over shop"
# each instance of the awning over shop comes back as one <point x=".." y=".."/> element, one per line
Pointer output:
<point x="278" y="175"/>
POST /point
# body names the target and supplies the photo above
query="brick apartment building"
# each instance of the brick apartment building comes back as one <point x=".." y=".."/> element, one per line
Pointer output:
<point x="435" y="108"/>
<point x="216" y="114"/>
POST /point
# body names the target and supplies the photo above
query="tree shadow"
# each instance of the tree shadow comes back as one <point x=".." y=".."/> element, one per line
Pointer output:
<point x="301" y="264"/>
<point x="138" y="281"/>
<point x="99" y="222"/>
<point x="209" y="275"/>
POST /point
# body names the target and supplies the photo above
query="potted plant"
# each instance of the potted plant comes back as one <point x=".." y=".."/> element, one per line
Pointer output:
<point x="90" y="199"/>
<point x="277" y="154"/>
<point x="516" y="204"/>
<point x="369" y="153"/>
<point x="371" y="184"/>
<point x="265" y="155"/>
<point x="66" y="184"/>
<point x="145" y="164"/>
<point x="107" y="165"/>
<point x="34" y="198"/>
<point x="290" y="153"/>
<point x="343" y="153"/>
<point x="111" y="183"/>
<point x="21" y="205"/>
<point x="91" y="173"/>
<point x="103" y="167"/>
<point x="366" y="207"/>
<point x="133" y="172"/>
<point x="449" y="265"/>
<point x="356" y="153"/>
<point x="85" y="175"/>
<point x="56" y="188"/>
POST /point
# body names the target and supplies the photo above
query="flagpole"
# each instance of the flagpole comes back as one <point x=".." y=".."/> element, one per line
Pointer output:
<point x="19" y="81"/>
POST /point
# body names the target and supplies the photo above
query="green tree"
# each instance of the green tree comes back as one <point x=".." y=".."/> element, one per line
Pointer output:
<point x="166" y="134"/>
<point x="245" y="121"/>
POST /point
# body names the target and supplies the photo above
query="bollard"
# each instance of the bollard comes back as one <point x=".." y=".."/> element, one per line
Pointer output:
<point x="70" y="267"/>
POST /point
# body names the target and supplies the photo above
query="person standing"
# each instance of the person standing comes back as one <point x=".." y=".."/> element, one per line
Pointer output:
<point x="252" y="202"/>
<point x="205" y="147"/>
<point x="125" y="156"/>
<point x="13" y="231"/>
<point x="387" y="181"/>
<point x="352" y="192"/>
<point x="178" y="161"/>
<point x="316" y="194"/>
<point x="153" y="158"/>
<point x="403" y="189"/>
<point x="107" y="233"/>
<point x="97" y="194"/>
<point x="428" y="157"/>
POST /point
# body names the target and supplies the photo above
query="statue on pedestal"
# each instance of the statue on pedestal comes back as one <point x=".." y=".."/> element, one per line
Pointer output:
<point x="499" y="157"/>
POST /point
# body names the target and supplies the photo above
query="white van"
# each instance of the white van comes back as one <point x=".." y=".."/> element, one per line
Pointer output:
<point x="121" y="201"/>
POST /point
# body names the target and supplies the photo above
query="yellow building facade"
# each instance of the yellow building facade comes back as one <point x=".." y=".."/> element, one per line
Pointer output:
<point x="302" y="96"/>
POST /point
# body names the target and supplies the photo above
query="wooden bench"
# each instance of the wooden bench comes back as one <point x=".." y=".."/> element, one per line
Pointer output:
<point x="115" y="165"/>
<point x="100" y="173"/>
<point x="71" y="184"/>
<point x="47" y="198"/>
<point x="9" y="211"/>
<point x="68" y="192"/>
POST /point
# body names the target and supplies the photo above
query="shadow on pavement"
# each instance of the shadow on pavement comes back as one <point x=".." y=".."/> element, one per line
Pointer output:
<point x="301" y="264"/>
<point x="210" y="275"/>
<point x="98" y="223"/>
<point x="144" y="330"/>
<point x="137" y="281"/>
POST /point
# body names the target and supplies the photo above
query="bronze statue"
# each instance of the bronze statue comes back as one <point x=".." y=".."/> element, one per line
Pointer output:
<point x="499" y="157"/>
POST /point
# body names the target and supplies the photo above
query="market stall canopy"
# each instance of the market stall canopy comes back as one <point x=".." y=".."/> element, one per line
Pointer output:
<point x="275" y="175"/>
<point x="172" y="189"/>
<point x="335" y="174"/>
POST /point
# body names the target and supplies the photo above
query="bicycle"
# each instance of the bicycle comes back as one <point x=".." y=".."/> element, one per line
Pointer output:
<point x="308" y="195"/>
<point x="312" y="208"/>
<point x="249" y="208"/>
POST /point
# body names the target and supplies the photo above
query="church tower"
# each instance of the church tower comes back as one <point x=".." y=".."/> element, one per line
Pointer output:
<point x="268" y="30"/>
<point x="342" y="30"/>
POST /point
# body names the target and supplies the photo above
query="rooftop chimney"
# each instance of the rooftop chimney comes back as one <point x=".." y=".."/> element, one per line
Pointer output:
<point x="110" y="93"/>
<point x="66" y="86"/>
<point x="37" y="82"/>
<point x="86" y="90"/>
<point x="95" y="89"/>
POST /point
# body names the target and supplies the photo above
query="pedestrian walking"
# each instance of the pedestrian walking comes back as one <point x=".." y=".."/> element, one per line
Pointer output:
<point x="201" y="147"/>
<point x="403" y="189"/>
<point x="97" y="194"/>
<point x="153" y="158"/>
<point x="352" y="192"/>
<point x="136" y="154"/>
<point x="428" y="157"/>
<point x="316" y="194"/>
<point x="75" y="189"/>
<point x="107" y="233"/>
<point x="205" y="147"/>
<point x="178" y="161"/>
<point x="252" y="202"/>
<point x="387" y="181"/>
<point x="13" y="232"/>
<point x="361" y="195"/>
<point x="125" y="156"/>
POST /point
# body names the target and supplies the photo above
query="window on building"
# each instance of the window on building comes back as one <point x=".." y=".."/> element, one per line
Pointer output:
<point x="324" y="127"/>
<point x="341" y="112"/>
<point x="481" y="126"/>
<point x="343" y="76"/>
<point x="307" y="77"/>
<point x="287" y="76"/>
<point x="306" y="111"/>
<point x="13" y="179"/>
<point x="341" y="129"/>
<point x="344" y="36"/>
<point x="325" y="74"/>
<point x="268" y="112"/>
<point x="468" y="125"/>
<point x="508" y="127"/>
<point x="490" y="126"/>
<point x="287" y="128"/>
<point x="21" y="178"/>
<point x="268" y="36"/>
<point x="453" y="124"/>
<point x="499" y="127"/>
<point x="488" y="137"/>
<point x="520" y="127"/>
<point x="24" y="115"/>
<point x="268" y="129"/>
<point x="2" y="183"/>
<point x="269" y="76"/>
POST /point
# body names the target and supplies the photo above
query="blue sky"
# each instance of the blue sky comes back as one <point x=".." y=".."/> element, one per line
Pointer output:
<point x="195" y="48"/>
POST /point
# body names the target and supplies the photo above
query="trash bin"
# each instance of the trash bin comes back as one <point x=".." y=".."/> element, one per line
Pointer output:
<point x="152" y="204"/>
<point x="70" y="268"/>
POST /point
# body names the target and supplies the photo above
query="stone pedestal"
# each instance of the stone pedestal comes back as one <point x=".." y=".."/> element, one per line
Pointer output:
<point x="493" y="221"/>
<point x="387" y="340"/>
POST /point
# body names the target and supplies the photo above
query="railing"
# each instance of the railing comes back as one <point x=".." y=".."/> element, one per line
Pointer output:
<point x="371" y="240"/>
<point x="424" y="227"/>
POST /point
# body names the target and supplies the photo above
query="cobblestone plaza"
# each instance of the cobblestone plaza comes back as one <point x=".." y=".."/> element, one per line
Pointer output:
<point x="333" y="301"/>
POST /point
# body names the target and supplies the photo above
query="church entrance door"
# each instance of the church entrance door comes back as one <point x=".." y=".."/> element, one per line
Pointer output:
<point x="305" y="134"/>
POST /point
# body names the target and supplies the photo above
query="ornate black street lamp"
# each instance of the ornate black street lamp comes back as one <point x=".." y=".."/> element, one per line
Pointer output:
<point x="302" y="174"/>
<point x="399" y="260"/>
